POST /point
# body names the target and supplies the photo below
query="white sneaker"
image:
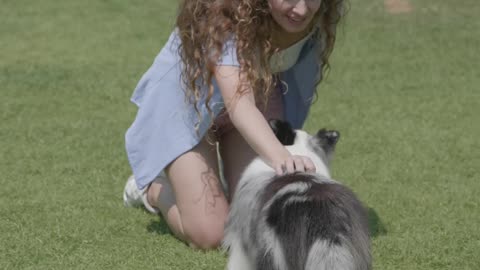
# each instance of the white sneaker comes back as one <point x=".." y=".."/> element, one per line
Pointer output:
<point x="134" y="197"/>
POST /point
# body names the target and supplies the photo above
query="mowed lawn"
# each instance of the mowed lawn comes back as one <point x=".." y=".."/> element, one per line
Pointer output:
<point x="403" y="90"/>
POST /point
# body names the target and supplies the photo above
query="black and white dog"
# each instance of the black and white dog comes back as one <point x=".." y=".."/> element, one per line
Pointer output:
<point x="300" y="221"/>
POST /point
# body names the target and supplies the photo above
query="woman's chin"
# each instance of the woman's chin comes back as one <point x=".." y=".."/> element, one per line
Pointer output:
<point x="294" y="27"/>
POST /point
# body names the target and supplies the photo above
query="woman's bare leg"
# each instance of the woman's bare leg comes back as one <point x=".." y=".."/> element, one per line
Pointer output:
<point x="192" y="199"/>
<point x="236" y="155"/>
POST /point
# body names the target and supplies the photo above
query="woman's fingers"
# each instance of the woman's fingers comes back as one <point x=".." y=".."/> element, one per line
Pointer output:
<point x="295" y="164"/>
<point x="299" y="164"/>
<point x="280" y="169"/>
<point x="290" y="165"/>
<point x="309" y="165"/>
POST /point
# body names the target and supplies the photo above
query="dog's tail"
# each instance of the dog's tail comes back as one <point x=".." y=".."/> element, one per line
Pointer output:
<point x="318" y="224"/>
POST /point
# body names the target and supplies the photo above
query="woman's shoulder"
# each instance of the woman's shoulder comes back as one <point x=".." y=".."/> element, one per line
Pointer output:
<point x="173" y="42"/>
<point x="229" y="53"/>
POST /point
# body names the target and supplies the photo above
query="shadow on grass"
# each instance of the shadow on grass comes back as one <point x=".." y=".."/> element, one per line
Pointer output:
<point x="158" y="226"/>
<point x="375" y="224"/>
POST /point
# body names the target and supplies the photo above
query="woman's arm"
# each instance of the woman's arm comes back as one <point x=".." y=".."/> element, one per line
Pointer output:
<point x="253" y="126"/>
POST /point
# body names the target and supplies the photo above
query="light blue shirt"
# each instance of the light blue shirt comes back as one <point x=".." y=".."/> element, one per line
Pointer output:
<point x="164" y="127"/>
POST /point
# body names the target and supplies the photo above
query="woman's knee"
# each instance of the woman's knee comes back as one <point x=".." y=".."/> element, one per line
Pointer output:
<point x="207" y="233"/>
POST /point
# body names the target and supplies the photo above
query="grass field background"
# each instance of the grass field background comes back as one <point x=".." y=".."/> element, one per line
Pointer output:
<point x="403" y="91"/>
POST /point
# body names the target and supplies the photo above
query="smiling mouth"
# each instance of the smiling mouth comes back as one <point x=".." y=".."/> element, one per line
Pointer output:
<point x="296" y="20"/>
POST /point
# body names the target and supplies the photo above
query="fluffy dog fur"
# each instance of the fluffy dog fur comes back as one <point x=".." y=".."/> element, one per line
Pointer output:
<point x="297" y="221"/>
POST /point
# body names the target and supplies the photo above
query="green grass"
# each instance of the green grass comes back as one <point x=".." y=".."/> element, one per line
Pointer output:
<point x="403" y="91"/>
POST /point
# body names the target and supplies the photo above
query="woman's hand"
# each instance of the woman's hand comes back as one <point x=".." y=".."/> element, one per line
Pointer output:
<point x="293" y="163"/>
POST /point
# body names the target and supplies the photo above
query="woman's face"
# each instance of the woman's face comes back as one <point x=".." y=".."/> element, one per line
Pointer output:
<point x="294" y="15"/>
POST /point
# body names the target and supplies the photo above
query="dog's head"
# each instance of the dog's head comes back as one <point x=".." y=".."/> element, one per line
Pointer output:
<point x="319" y="147"/>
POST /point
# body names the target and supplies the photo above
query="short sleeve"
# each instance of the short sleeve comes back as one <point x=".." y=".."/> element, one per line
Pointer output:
<point x="229" y="54"/>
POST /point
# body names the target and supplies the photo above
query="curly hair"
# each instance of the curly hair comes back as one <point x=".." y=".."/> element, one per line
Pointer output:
<point x="205" y="25"/>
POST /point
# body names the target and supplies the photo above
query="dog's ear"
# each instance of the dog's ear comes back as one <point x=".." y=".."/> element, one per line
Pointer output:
<point x="328" y="138"/>
<point x="283" y="130"/>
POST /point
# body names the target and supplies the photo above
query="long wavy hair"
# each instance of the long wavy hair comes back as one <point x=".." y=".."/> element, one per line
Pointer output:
<point x="205" y="25"/>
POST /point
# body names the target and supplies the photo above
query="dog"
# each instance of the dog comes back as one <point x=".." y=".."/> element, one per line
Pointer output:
<point x="299" y="221"/>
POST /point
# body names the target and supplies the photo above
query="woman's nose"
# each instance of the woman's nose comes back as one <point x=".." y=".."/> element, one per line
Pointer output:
<point x="300" y="8"/>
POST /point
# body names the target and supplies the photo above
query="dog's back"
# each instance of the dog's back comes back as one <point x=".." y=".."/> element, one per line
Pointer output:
<point x="318" y="223"/>
<point x="297" y="221"/>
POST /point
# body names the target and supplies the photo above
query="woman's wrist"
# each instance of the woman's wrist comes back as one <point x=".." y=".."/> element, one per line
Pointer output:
<point x="277" y="160"/>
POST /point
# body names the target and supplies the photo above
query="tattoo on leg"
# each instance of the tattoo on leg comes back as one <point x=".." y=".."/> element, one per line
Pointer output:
<point x="211" y="190"/>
